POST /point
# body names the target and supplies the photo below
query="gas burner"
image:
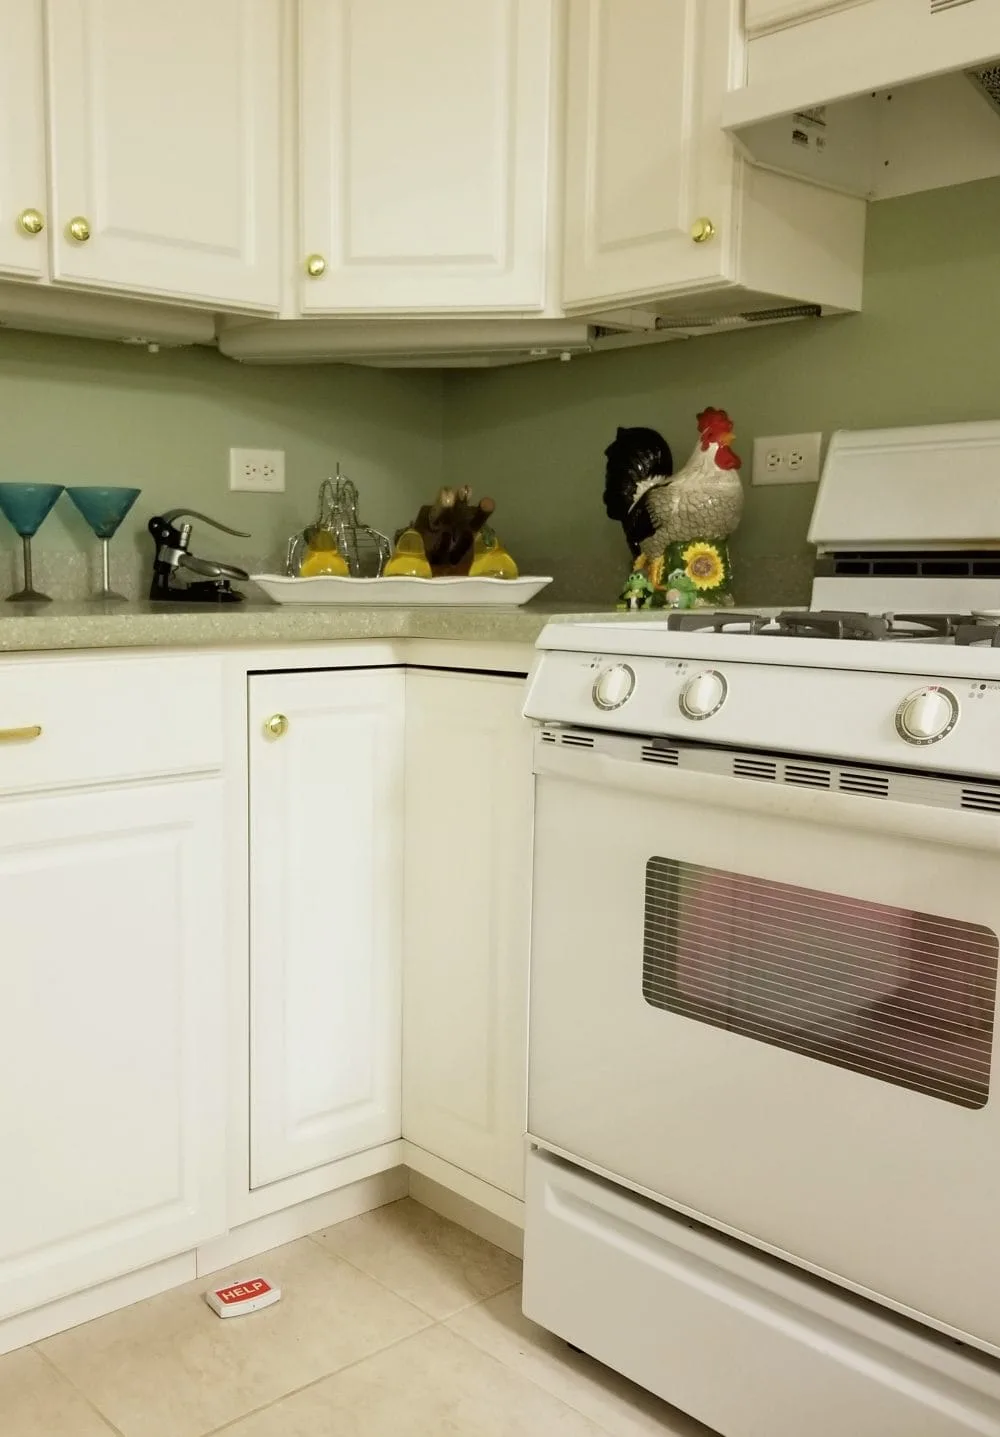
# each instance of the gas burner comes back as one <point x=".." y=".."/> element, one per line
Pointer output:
<point x="716" y="620"/>
<point x="919" y="626"/>
<point x="829" y="624"/>
<point x="978" y="631"/>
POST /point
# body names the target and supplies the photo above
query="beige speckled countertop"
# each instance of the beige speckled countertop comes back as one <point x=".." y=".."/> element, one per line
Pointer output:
<point x="144" y="625"/>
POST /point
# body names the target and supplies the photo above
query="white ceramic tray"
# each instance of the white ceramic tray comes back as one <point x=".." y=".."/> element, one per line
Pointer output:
<point x="401" y="592"/>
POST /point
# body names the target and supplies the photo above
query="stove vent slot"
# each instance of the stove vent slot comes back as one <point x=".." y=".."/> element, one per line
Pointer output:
<point x="873" y="785"/>
<point x="982" y="800"/>
<point x="651" y="753"/>
<point x="577" y="740"/>
<point x="548" y="736"/>
<point x="762" y="768"/>
<point x="807" y="775"/>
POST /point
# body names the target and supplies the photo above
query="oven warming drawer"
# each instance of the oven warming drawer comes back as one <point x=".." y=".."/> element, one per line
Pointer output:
<point x="744" y="1343"/>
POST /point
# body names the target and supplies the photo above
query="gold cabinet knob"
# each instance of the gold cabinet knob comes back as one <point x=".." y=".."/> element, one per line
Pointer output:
<point x="703" y="229"/>
<point x="275" y="726"/>
<point x="32" y="222"/>
<point x="21" y="735"/>
<point x="79" y="229"/>
<point x="315" y="266"/>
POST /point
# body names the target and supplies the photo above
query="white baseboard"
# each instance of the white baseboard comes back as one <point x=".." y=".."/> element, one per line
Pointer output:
<point x="468" y="1214"/>
<point x="277" y="1228"/>
<point x="94" y="1302"/>
<point x="467" y="1200"/>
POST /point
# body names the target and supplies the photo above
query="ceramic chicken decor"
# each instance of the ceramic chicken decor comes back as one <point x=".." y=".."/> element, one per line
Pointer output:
<point x="677" y="525"/>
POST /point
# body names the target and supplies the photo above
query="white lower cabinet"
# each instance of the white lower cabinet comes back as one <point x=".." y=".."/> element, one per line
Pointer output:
<point x="326" y="852"/>
<point x="112" y="1030"/>
<point x="469" y="790"/>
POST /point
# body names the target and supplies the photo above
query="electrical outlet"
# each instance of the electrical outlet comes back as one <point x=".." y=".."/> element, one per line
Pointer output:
<point x="786" y="459"/>
<point x="260" y="470"/>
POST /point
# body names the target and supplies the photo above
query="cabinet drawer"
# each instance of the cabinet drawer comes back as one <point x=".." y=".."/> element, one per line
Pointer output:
<point x="66" y="720"/>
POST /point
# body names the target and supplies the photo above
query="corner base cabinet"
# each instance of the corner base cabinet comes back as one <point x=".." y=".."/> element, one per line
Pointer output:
<point x="326" y="879"/>
<point x="112" y="1067"/>
<point x="469" y="793"/>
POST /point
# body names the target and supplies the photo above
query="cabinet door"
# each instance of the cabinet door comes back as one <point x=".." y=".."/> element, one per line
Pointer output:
<point x="469" y="793"/>
<point x="326" y="819"/>
<point x="424" y="153"/>
<point x="22" y="137"/>
<point x="165" y="135"/>
<point x="645" y="156"/>
<point x="112" y="1033"/>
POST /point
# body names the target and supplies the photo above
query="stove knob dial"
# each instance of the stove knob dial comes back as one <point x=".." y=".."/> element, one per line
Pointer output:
<point x="613" y="687"/>
<point x="927" y="715"/>
<point x="704" y="695"/>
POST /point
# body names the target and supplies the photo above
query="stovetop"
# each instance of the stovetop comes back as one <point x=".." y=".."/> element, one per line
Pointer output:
<point x="914" y="690"/>
<point x="960" y="629"/>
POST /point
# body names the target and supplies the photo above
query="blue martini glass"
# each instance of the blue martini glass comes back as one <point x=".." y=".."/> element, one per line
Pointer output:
<point x="26" y="506"/>
<point x="104" y="509"/>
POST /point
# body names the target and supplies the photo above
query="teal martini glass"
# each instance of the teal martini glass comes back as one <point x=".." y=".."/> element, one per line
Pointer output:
<point x="104" y="509"/>
<point x="26" y="506"/>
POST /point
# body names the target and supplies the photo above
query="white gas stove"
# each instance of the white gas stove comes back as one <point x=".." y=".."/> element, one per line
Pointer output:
<point x="765" y="1148"/>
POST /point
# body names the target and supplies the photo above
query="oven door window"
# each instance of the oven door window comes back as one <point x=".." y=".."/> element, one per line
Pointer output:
<point x="904" y="997"/>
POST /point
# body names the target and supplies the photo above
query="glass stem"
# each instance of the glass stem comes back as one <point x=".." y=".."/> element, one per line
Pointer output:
<point x="26" y="550"/>
<point x="106" y="564"/>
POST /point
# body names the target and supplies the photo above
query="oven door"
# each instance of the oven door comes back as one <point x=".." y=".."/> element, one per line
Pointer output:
<point x="764" y="991"/>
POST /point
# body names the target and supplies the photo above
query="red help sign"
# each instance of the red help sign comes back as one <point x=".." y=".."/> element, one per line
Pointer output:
<point x="243" y="1291"/>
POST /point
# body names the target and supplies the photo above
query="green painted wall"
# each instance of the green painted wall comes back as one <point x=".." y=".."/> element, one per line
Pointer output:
<point x="926" y="349"/>
<point x="88" y="412"/>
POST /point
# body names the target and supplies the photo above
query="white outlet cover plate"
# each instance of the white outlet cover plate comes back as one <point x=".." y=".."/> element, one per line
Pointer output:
<point x="797" y="458"/>
<point x="260" y="471"/>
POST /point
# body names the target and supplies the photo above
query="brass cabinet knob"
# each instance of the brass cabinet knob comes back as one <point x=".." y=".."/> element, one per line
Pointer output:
<point x="703" y="229"/>
<point x="32" y="222"/>
<point x="21" y="735"/>
<point x="275" y="726"/>
<point x="79" y="229"/>
<point x="315" y="266"/>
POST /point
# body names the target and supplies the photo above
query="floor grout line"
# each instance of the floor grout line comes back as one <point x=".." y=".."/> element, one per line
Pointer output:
<point x="64" y="1377"/>
<point x="277" y="1401"/>
<point x="431" y="1317"/>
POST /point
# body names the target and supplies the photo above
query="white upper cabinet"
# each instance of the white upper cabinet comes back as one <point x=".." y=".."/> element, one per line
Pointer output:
<point x="645" y="158"/>
<point x="326" y="877"/>
<point x="22" y="141"/>
<point x="424" y="133"/>
<point x="165" y="147"/>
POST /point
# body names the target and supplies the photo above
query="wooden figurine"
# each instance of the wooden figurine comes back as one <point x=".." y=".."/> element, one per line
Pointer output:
<point x="448" y="528"/>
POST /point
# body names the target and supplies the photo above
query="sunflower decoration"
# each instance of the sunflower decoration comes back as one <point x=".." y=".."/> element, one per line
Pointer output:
<point x="700" y="575"/>
<point x="704" y="566"/>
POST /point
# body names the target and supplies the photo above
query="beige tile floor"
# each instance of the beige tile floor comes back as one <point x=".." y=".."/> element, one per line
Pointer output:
<point x="395" y="1324"/>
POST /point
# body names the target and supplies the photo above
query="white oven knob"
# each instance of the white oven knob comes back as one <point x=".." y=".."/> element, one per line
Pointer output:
<point x="927" y="715"/>
<point x="704" y="695"/>
<point x="613" y="687"/>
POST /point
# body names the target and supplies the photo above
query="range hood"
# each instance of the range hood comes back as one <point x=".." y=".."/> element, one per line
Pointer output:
<point x="909" y="520"/>
<point x="875" y="97"/>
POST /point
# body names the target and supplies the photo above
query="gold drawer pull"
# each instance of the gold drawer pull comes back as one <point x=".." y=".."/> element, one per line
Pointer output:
<point x="276" y="726"/>
<point x="21" y="735"/>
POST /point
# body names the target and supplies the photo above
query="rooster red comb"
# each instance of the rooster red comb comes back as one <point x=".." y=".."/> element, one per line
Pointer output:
<point x="712" y="424"/>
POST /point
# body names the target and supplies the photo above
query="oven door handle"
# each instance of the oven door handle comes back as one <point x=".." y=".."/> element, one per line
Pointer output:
<point x="630" y="775"/>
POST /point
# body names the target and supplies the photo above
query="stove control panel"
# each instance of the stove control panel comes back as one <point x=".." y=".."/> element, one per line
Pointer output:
<point x="943" y="721"/>
<point x="703" y="695"/>
<point x="613" y="687"/>
<point x="927" y="715"/>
